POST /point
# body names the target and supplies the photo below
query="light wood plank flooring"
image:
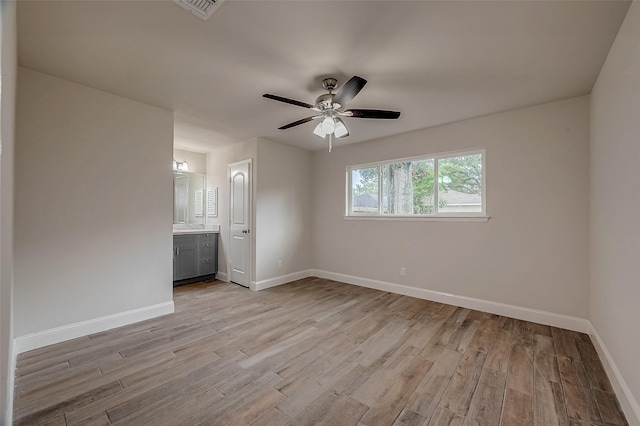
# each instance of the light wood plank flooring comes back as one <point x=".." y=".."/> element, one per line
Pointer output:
<point x="317" y="352"/>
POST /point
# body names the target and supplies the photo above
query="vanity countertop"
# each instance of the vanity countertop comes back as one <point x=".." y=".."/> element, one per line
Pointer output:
<point x="210" y="229"/>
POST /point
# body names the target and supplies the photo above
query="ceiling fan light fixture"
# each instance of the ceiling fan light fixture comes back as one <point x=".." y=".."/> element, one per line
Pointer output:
<point x="318" y="131"/>
<point x="330" y="107"/>
<point x="341" y="129"/>
<point x="328" y="125"/>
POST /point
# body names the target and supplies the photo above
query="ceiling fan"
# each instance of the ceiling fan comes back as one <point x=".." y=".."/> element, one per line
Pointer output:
<point x="331" y="108"/>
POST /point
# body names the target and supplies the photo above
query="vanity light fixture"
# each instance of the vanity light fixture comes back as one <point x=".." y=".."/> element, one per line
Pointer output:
<point x="180" y="166"/>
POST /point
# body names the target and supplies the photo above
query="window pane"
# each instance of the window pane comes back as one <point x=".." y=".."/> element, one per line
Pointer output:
<point x="364" y="190"/>
<point x="397" y="189"/>
<point x="423" y="176"/>
<point x="460" y="184"/>
<point x="407" y="188"/>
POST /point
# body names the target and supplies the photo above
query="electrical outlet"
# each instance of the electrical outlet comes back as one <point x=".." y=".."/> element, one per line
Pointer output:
<point x="279" y="264"/>
<point x="403" y="271"/>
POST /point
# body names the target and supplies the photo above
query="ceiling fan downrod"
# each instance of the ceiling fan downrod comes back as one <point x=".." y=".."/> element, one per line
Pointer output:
<point x="329" y="84"/>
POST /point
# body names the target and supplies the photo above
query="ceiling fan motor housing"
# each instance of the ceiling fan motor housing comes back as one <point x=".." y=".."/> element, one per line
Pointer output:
<point x="329" y="83"/>
<point x="330" y="106"/>
<point x="325" y="102"/>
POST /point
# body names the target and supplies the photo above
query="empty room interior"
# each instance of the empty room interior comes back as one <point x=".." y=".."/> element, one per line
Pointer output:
<point x="258" y="212"/>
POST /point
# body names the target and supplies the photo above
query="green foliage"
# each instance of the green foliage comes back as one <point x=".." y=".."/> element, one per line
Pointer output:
<point x="368" y="182"/>
<point x="423" y="177"/>
<point x="464" y="174"/>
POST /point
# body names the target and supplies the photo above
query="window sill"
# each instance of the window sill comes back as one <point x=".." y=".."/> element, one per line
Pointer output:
<point x="422" y="218"/>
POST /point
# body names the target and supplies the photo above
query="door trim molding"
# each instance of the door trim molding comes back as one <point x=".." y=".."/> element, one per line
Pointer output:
<point x="237" y="163"/>
<point x="251" y="227"/>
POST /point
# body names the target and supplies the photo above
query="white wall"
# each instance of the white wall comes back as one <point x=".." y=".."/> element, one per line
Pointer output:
<point x="196" y="160"/>
<point x="218" y="176"/>
<point x="532" y="252"/>
<point x="283" y="210"/>
<point x="7" y="115"/>
<point x="93" y="206"/>
<point x="281" y="203"/>
<point x="615" y="204"/>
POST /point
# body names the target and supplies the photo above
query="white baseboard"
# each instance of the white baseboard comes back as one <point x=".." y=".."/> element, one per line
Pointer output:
<point x="222" y="276"/>
<point x="629" y="405"/>
<point x="282" y="279"/>
<point x="527" y="314"/>
<point x="627" y="402"/>
<point x="84" y="328"/>
<point x="11" y="378"/>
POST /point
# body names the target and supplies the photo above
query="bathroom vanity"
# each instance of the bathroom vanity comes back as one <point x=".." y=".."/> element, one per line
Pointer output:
<point x="195" y="256"/>
<point x="195" y="243"/>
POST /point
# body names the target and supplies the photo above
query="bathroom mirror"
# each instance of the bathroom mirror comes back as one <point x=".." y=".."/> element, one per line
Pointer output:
<point x="189" y="198"/>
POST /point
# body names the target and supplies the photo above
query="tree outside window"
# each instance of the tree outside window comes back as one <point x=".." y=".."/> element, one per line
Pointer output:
<point x="409" y="187"/>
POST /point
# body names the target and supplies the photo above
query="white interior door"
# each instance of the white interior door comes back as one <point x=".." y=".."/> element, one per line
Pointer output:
<point x="240" y="223"/>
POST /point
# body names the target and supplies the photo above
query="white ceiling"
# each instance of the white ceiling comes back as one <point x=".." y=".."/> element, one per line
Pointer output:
<point x="435" y="61"/>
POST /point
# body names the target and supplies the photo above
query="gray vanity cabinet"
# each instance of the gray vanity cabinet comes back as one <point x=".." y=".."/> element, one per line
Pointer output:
<point x="194" y="256"/>
<point x="207" y="254"/>
<point x="185" y="257"/>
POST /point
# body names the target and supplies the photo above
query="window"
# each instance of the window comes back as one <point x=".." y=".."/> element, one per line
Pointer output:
<point x="448" y="185"/>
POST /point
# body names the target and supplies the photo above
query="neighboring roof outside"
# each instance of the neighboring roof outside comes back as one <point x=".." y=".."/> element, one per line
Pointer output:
<point x="460" y="198"/>
<point x="452" y="197"/>
<point x="365" y="200"/>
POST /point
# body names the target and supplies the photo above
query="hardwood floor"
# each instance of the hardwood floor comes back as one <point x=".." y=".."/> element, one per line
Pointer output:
<point x="317" y="352"/>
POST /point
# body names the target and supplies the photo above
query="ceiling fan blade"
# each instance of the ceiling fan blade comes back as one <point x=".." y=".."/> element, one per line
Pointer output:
<point x="287" y="101"/>
<point x="299" y="122"/>
<point x="373" y="113"/>
<point x="349" y="90"/>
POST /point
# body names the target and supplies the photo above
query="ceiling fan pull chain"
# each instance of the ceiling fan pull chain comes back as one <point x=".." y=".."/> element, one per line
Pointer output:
<point x="330" y="141"/>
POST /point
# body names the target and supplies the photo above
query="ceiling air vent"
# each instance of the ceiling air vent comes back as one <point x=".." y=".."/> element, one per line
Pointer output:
<point x="201" y="8"/>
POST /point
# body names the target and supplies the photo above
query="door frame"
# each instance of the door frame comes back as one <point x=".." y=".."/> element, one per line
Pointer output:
<point x="252" y="283"/>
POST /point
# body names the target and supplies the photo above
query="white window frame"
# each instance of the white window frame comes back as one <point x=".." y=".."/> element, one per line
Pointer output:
<point x="349" y="214"/>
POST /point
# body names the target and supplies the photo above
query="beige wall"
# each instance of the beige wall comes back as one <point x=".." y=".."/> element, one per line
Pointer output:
<point x="531" y="253"/>
<point x="197" y="161"/>
<point x="7" y="114"/>
<point x="281" y="202"/>
<point x="93" y="204"/>
<point x="283" y="210"/>
<point x="218" y="176"/>
<point x="615" y="203"/>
